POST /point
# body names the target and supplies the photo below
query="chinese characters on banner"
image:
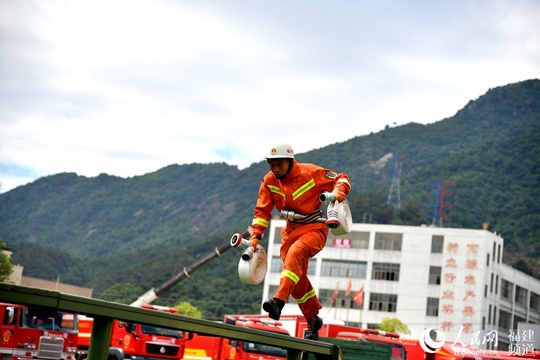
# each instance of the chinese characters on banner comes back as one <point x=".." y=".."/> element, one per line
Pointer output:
<point x="342" y="243"/>
<point x="459" y="285"/>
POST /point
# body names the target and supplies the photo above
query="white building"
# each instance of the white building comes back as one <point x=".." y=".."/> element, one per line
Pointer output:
<point x="16" y="277"/>
<point x="451" y="281"/>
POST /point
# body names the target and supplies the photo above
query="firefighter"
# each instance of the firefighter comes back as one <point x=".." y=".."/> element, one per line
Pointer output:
<point x="294" y="186"/>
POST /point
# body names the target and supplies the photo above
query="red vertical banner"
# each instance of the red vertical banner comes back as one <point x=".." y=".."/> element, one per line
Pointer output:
<point x="348" y="290"/>
<point x="359" y="296"/>
<point x="334" y="296"/>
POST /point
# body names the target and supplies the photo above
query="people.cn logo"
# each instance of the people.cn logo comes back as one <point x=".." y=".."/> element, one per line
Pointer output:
<point x="428" y="344"/>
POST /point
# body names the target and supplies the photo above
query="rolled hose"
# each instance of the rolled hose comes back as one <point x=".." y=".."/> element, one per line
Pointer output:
<point x="253" y="271"/>
<point x="252" y="265"/>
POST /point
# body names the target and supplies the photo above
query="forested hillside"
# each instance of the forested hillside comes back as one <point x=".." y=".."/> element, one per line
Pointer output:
<point x="123" y="236"/>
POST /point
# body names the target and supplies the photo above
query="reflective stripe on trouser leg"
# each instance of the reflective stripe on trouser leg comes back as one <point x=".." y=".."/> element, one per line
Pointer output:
<point x="286" y="285"/>
<point x="294" y="268"/>
<point x="306" y="298"/>
<point x="295" y="272"/>
<point x="297" y="247"/>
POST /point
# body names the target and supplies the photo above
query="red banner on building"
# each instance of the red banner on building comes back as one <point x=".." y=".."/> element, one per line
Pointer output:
<point x="342" y="243"/>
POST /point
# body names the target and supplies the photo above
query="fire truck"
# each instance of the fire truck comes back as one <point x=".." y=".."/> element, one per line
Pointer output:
<point x="135" y="341"/>
<point x="217" y="348"/>
<point x="201" y="347"/>
<point x="36" y="333"/>
<point x="398" y="350"/>
<point x="453" y="351"/>
<point x="296" y="325"/>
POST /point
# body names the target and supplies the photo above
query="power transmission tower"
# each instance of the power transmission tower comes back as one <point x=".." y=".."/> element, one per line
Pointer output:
<point x="439" y="205"/>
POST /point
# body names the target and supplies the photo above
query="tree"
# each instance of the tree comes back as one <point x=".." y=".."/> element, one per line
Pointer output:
<point x="5" y="264"/>
<point x="185" y="308"/>
<point x="394" y="325"/>
<point x="124" y="293"/>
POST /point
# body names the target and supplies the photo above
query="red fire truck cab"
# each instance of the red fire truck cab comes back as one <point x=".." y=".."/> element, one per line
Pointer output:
<point x="135" y="341"/>
<point x="36" y="333"/>
<point x="451" y="351"/>
<point x="217" y="348"/>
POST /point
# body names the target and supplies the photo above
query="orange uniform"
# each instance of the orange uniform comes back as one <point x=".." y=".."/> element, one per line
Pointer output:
<point x="299" y="191"/>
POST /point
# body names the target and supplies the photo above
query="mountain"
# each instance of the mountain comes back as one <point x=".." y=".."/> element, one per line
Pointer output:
<point x="104" y="231"/>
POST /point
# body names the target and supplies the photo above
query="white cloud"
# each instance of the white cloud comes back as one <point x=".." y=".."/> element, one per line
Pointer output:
<point x="127" y="87"/>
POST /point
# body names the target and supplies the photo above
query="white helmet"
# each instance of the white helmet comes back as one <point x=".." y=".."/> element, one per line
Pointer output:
<point x="282" y="151"/>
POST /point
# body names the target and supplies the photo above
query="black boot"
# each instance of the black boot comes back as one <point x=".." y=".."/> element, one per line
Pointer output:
<point x="273" y="307"/>
<point x="313" y="325"/>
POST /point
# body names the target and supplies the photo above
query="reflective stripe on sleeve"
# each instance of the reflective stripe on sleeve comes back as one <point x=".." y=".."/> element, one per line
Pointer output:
<point x="260" y="221"/>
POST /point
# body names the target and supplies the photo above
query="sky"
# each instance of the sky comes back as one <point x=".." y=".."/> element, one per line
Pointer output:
<point x="127" y="87"/>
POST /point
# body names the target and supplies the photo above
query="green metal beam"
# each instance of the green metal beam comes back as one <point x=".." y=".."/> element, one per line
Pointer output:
<point x="101" y="338"/>
<point x="105" y="311"/>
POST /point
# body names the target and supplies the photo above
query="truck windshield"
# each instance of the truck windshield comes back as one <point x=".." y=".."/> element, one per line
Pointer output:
<point x="154" y="330"/>
<point x="60" y="322"/>
<point x="264" y="349"/>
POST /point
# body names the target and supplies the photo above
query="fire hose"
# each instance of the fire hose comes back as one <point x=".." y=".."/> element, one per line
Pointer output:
<point x="253" y="264"/>
<point x="338" y="215"/>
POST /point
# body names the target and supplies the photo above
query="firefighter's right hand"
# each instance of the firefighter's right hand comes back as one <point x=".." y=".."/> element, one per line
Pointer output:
<point x="254" y="241"/>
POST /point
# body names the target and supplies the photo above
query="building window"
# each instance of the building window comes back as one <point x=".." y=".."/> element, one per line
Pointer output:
<point x="506" y="289"/>
<point x="521" y="296"/>
<point x="312" y="267"/>
<point x="534" y="302"/>
<point x="276" y="265"/>
<point x="432" y="308"/>
<point x="499" y="254"/>
<point x="341" y="268"/>
<point x="388" y="241"/>
<point x="487" y="261"/>
<point x="359" y="239"/>
<point x="517" y="320"/>
<point x="383" y="302"/>
<point x="385" y="271"/>
<point x="505" y="320"/>
<point x="437" y="244"/>
<point x="435" y="275"/>
<point x="277" y="235"/>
